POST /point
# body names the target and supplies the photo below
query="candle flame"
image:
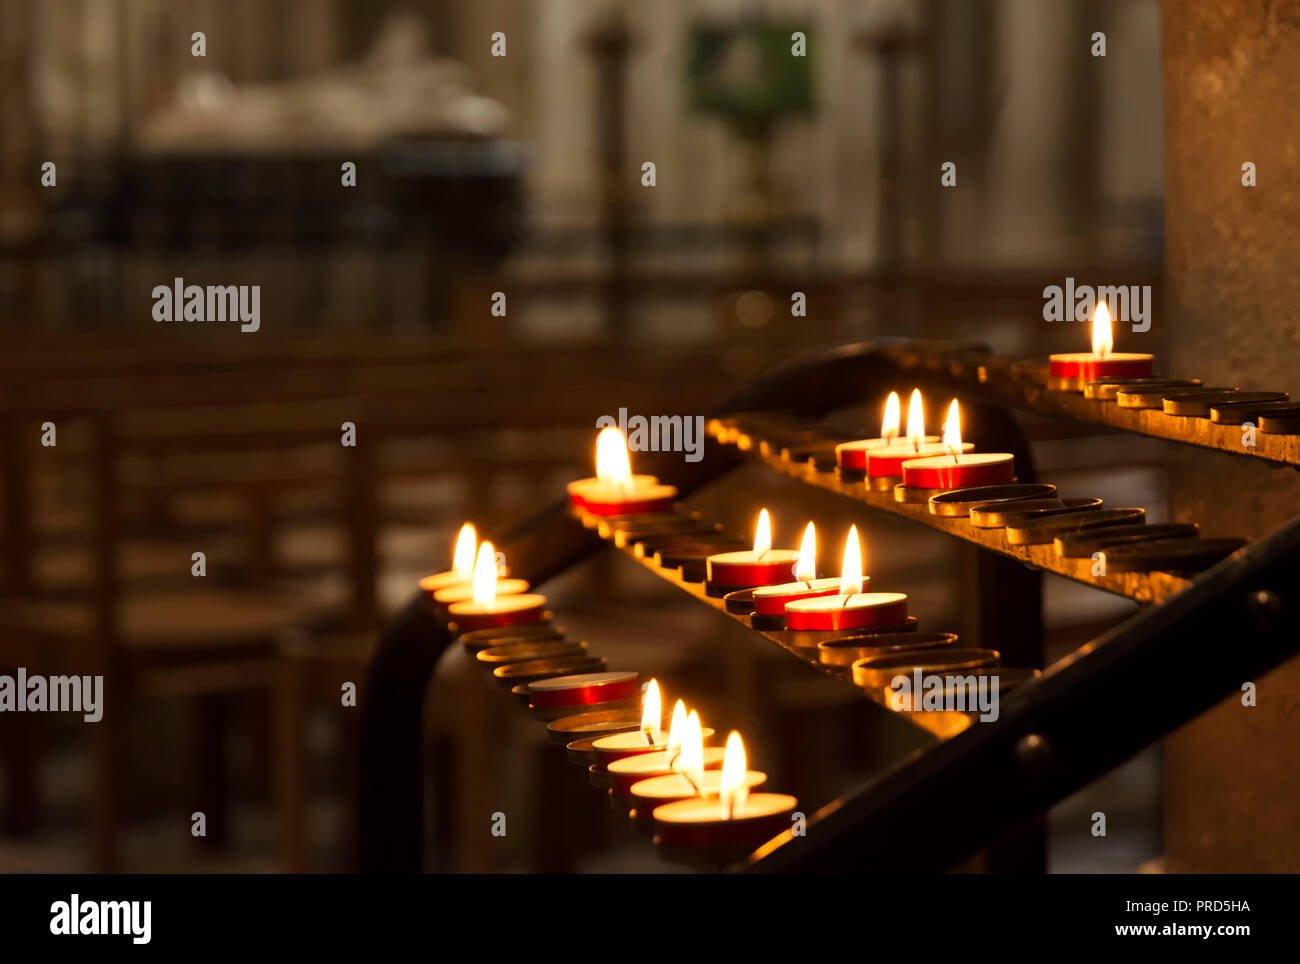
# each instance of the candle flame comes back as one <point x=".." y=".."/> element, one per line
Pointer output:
<point x="763" y="533"/>
<point x="613" y="465"/>
<point x="691" y="760"/>
<point x="484" y="584"/>
<point x="851" y="570"/>
<point x="806" y="567"/>
<point x="462" y="560"/>
<point x="893" y="419"/>
<point x="952" y="430"/>
<point x="652" y="708"/>
<point x="733" y="790"/>
<point x="677" y="728"/>
<point x="915" y="418"/>
<point x="1102" y="340"/>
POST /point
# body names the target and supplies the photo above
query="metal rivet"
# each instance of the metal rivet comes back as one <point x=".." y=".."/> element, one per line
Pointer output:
<point x="1266" y="605"/>
<point x="1033" y="751"/>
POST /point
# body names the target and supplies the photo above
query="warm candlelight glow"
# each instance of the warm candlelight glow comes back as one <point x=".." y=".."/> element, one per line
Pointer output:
<point x="676" y="727"/>
<point x="806" y="567"/>
<point x="952" y="430"/>
<point x="691" y="761"/>
<point x="733" y="790"/>
<point x="462" y="560"/>
<point x="613" y="466"/>
<point x="915" y="418"/>
<point x="652" y="712"/>
<point x="763" y="534"/>
<point x="851" y="571"/>
<point x="484" y="584"/>
<point x="1102" y="341"/>
<point x="890" y="424"/>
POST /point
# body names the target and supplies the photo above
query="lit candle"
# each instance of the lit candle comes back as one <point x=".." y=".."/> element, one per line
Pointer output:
<point x="769" y="601"/>
<point x="685" y="752"/>
<point x="694" y="772"/>
<point x="734" y="819"/>
<point x="851" y="457"/>
<point x="464" y="590"/>
<point x="615" y="490"/>
<point x="760" y="566"/>
<point x="648" y="739"/>
<point x="849" y="607"/>
<point x="484" y="609"/>
<point x="959" y="468"/>
<point x="462" y="563"/>
<point x="1102" y="362"/>
<point x="885" y="464"/>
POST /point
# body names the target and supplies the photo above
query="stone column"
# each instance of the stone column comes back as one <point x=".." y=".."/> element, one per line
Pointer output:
<point x="1233" y="309"/>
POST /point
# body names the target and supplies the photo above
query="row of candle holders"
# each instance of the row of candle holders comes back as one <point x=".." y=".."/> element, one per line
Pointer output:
<point x="694" y="799"/>
<point x="682" y="544"/>
<point x="670" y="784"/>
<point x="1114" y="540"/>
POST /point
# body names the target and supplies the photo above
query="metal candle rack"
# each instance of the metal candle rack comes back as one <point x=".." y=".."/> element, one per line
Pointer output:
<point x="1086" y="714"/>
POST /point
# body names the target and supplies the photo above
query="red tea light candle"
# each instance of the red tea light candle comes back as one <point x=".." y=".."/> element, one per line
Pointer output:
<point x="959" y="468"/>
<point x="687" y="755"/>
<point x="656" y="791"/>
<point x="849" y="607"/>
<point x="583" y="689"/>
<point x="615" y="490"/>
<point x="462" y="563"/>
<point x="886" y="461"/>
<point x="771" y="600"/>
<point x="852" y="456"/>
<point x="464" y="591"/>
<point x="1102" y="362"/>
<point x="645" y="740"/>
<point x="734" y="819"/>
<point x="760" y="566"/>
<point x="484" y="609"/>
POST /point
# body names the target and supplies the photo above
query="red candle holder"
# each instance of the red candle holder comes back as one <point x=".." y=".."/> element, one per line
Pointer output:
<point x="584" y="689"/>
<point x="862" y="610"/>
<point x="657" y="791"/>
<point x="888" y="462"/>
<point x="626" y="772"/>
<point x="745" y="569"/>
<point x="467" y="617"/>
<point x="698" y="825"/>
<point x="618" y="746"/>
<point x="960" y="471"/>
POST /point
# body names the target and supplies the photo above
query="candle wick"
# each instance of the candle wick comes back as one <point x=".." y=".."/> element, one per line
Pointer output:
<point x="694" y="786"/>
<point x="649" y="741"/>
